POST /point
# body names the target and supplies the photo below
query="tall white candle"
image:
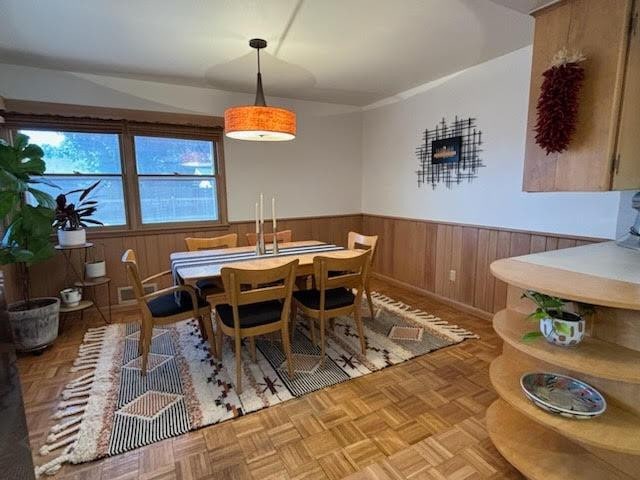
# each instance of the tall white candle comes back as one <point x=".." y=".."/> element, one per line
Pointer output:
<point x="261" y="209"/>
<point x="273" y="212"/>
<point x="257" y="227"/>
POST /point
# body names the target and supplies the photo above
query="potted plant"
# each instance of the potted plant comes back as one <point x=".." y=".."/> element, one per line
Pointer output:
<point x="96" y="267"/>
<point x="71" y="219"/>
<point x="558" y="325"/>
<point x="26" y="240"/>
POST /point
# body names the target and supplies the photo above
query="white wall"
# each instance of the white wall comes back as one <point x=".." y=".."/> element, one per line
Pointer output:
<point x="347" y="161"/>
<point x="496" y="93"/>
<point x="318" y="173"/>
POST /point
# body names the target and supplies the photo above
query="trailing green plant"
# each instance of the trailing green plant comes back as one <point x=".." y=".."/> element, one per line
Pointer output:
<point x="70" y="216"/>
<point x="26" y="239"/>
<point x="550" y="307"/>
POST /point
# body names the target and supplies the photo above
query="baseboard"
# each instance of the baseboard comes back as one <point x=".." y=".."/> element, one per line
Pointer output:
<point x="434" y="296"/>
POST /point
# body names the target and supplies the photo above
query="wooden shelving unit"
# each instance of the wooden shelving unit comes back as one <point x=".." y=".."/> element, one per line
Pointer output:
<point x="595" y="357"/>
<point x="543" y="445"/>
<point x="540" y="453"/>
<point x="616" y="430"/>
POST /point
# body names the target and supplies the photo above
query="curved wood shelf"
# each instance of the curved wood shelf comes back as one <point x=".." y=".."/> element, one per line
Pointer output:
<point x="83" y="305"/>
<point x="540" y="453"/>
<point x="592" y="357"/>
<point x="579" y="287"/>
<point x="615" y="430"/>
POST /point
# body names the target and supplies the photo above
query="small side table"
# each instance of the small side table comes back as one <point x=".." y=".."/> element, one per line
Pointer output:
<point x="80" y="281"/>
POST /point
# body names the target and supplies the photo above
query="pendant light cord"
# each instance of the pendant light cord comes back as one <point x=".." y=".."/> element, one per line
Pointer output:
<point x="260" y="101"/>
<point x="258" y="59"/>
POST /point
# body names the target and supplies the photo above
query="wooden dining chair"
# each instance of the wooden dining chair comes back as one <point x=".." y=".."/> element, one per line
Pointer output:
<point x="162" y="307"/>
<point x="335" y="279"/>
<point x="364" y="242"/>
<point x="211" y="288"/>
<point x="211" y="243"/>
<point x="259" y="303"/>
<point x="284" y="236"/>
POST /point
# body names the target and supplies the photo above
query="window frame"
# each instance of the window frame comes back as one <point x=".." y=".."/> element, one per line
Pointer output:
<point x="126" y="131"/>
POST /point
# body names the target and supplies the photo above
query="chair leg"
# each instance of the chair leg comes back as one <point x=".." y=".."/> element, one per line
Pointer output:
<point x="322" y="340"/>
<point x="207" y="333"/>
<point x="238" y="365"/>
<point x="252" y="348"/>
<point x="357" y="317"/>
<point x="287" y="349"/>
<point x="370" y="301"/>
<point x="293" y="316"/>
<point x="219" y="340"/>
<point x="203" y="331"/>
<point x="146" y="346"/>
<point x="140" y="339"/>
<point x="312" y="329"/>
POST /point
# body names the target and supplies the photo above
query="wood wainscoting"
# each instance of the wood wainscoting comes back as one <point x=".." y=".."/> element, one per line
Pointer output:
<point x="416" y="254"/>
<point x="153" y="249"/>
<point x="420" y="255"/>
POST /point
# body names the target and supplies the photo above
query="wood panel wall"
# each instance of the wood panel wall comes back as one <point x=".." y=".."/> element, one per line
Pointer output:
<point x="153" y="251"/>
<point x="420" y="254"/>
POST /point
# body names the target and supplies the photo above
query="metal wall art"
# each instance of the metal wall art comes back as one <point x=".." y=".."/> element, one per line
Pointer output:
<point x="449" y="153"/>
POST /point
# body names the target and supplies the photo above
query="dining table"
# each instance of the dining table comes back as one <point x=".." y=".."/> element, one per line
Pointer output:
<point x="189" y="267"/>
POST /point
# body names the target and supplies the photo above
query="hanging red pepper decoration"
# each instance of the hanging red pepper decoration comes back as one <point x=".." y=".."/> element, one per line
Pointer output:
<point x="558" y="102"/>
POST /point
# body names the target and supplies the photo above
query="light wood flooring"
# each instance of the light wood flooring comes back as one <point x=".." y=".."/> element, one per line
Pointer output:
<point x="423" y="419"/>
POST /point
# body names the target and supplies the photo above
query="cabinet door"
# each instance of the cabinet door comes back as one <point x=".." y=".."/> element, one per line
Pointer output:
<point x="597" y="28"/>
<point x="626" y="174"/>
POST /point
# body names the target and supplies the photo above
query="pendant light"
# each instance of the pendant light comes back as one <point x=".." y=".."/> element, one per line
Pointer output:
<point x="259" y="122"/>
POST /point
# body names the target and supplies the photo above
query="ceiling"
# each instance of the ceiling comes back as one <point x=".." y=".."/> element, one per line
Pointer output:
<point x="342" y="51"/>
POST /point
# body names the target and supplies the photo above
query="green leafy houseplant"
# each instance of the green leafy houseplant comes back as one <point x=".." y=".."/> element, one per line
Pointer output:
<point x="26" y="240"/>
<point x="559" y="323"/>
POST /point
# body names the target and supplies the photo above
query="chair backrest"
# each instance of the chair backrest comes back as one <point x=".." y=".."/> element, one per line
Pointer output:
<point x="244" y="287"/>
<point x="283" y="236"/>
<point x="131" y="265"/>
<point x="364" y="242"/>
<point x="331" y="272"/>
<point x="212" y="243"/>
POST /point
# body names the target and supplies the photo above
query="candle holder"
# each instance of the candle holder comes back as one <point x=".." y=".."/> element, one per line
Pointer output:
<point x="260" y="247"/>
<point x="275" y="250"/>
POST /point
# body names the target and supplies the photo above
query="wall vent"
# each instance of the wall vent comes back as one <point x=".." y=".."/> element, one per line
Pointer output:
<point x="127" y="297"/>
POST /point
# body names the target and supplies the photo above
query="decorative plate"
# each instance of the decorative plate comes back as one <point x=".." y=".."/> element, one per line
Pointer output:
<point x="563" y="395"/>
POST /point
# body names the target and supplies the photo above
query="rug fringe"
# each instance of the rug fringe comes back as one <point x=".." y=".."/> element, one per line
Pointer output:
<point x="51" y="467"/>
<point x="75" y="398"/>
<point x="431" y="320"/>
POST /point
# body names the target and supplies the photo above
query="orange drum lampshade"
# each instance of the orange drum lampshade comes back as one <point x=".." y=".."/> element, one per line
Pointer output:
<point x="260" y="123"/>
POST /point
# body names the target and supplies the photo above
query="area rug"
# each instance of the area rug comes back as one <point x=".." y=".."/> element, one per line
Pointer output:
<point x="110" y="408"/>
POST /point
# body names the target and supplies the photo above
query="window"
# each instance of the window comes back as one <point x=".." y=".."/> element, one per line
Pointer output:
<point x="176" y="179"/>
<point x="76" y="160"/>
<point x="152" y="175"/>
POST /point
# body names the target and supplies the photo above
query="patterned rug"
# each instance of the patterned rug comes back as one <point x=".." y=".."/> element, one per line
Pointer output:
<point x="111" y="408"/>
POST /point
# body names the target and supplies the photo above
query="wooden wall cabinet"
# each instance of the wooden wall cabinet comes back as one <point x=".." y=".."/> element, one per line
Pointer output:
<point x="604" y="153"/>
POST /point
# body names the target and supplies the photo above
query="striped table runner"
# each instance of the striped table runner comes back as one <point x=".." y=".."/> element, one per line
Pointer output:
<point x="182" y="262"/>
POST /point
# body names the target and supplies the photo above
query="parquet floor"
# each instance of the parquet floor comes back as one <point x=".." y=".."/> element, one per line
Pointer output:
<point x="423" y="419"/>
